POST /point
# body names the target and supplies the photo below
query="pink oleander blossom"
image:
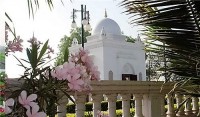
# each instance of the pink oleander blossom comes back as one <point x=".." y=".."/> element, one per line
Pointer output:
<point x="34" y="112"/>
<point x="15" y="45"/>
<point x="9" y="102"/>
<point x="78" y="72"/>
<point x="27" y="102"/>
<point x="75" y="83"/>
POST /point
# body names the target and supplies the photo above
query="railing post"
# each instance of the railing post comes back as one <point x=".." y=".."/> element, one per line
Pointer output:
<point x="151" y="105"/>
<point x="138" y="105"/>
<point x="195" y="107"/>
<point x="179" y="100"/>
<point x="170" y="103"/>
<point x="112" y="104"/>
<point x="96" y="99"/>
<point x="62" y="106"/>
<point x="126" y="104"/>
<point x="80" y="105"/>
<point x="188" y="107"/>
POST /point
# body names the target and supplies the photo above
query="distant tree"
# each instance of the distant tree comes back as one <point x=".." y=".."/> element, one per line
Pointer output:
<point x="66" y="42"/>
<point x="130" y="39"/>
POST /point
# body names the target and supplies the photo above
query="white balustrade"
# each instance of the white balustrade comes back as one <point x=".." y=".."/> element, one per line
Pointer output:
<point x="149" y="99"/>
<point x="80" y="100"/>
<point x="126" y="104"/>
<point x="138" y="105"/>
<point x="179" y="100"/>
<point x="96" y="99"/>
<point x="188" y="106"/>
<point x="111" y="98"/>
<point x="170" y="103"/>
<point x="62" y="107"/>
<point x="195" y="106"/>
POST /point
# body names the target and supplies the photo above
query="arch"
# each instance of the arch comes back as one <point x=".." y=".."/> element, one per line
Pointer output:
<point x="110" y="75"/>
<point x="128" y="69"/>
<point x="140" y="76"/>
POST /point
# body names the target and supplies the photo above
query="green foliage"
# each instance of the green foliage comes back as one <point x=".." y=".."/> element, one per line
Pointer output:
<point x="2" y="60"/>
<point x="65" y="43"/>
<point x="173" y="25"/>
<point x="38" y="80"/>
<point x="130" y="39"/>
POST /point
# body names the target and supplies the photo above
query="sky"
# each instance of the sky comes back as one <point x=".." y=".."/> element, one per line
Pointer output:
<point x="54" y="24"/>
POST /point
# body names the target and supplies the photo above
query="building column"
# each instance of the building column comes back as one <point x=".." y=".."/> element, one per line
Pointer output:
<point x="126" y="104"/>
<point x="195" y="107"/>
<point x="80" y="105"/>
<point x="179" y="100"/>
<point x="170" y="103"/>
<point x="62" y="106"/>
<point x="138" y="105"/>
<point x="96" y="99"/>
<point x="112" y="98"/>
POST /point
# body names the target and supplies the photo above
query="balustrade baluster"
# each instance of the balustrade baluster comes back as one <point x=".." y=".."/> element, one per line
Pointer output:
<point x="112" y="98"/>
<point x="179" y="100"/>
<point x="188" y="107"/>
<point x="195" y="106"/>
<point x="170" y="103"/>
<point x="138" y="105"/>
<point x="126" y="104"/>
<point x="96" y="99"/>
<point x="80" y="105"/>
<point x="62" y="106"/>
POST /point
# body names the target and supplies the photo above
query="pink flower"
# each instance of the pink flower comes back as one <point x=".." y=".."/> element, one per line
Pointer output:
<point x="34" y="112"/>
<point x="27" y="102"/>
<point x="75" y="83"/>
<point x="59" y="73"/>
<point x="9" y="102"/>
<point x="15" y="45"/>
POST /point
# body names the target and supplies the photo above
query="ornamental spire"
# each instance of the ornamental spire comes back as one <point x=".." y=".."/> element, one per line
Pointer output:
<point x="105" y="14"/>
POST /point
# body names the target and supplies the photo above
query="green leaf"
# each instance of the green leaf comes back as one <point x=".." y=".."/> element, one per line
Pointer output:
<point x="66" y="54"/>
<point x="43" y="50"/>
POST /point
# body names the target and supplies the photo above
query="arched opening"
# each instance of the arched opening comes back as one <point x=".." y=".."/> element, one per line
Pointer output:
<point x="128" y="72"/>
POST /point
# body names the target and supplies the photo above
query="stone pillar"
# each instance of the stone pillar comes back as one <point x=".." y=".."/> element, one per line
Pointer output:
<point x="195" y="107"/>
<point x="96" y="99"/>
<point x="170" y="103"/>
<point x="138" y="105"/>
<point x="62" y="106"/>
<point x="179" y="100"/>
<point x="162" y="104"/>
<point x="126" y="104"/>
<point x="188" y="107"/>
<point x="151" y="105"/>
<point x="80" y="105"/>
<point x="112" y="98"/>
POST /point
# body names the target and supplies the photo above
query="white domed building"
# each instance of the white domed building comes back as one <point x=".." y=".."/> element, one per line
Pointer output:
<point x="116" y="59"/>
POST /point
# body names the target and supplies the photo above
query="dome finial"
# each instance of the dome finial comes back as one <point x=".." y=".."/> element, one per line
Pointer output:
<point x="105" y="14"/>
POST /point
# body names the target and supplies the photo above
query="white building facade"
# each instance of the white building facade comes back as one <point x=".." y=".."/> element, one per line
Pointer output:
<point x="116" y="59"/>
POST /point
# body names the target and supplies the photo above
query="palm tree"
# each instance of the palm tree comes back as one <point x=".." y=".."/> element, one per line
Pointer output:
<point x="175" y="26"/>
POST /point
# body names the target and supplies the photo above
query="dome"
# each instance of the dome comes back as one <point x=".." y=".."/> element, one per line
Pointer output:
<point x="109" y="26"/>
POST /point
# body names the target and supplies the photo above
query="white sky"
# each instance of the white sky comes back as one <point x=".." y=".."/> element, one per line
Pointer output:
<point x="53" y="25"/>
